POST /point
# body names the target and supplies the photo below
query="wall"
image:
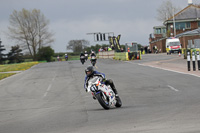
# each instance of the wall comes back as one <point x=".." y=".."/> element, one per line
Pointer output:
<point x="160" y="45"/>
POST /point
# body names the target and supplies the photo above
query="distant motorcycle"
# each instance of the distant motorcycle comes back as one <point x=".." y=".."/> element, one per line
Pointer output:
<point x="103" y="93"/>
<point x="93" y="60"/>
<point x="66" y="58"/>
<point x="86" y="57"/>
<point x="82" y="59"/>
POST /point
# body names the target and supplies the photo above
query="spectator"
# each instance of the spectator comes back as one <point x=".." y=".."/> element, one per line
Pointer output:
<point x="100" y="50"/>
<point x="58" y="58"/>
<point x="109" y="49"/>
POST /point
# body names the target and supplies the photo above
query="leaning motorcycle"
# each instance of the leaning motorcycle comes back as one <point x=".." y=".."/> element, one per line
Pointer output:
<point x="103" y="93"/>
<point x="82" y="59"/>
<point x="93" y="60"/>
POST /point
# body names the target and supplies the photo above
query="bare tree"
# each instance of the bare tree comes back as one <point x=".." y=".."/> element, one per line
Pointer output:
<point x="165" y="11"/>
<point x="30" y="30"/>
<point x="77" y="45"/>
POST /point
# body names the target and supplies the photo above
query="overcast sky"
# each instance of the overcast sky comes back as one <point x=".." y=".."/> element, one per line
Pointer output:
<point x="73" y="19"/>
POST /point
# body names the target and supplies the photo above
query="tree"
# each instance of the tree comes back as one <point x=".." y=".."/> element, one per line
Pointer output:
<point x="77" y="45"/>
<point x="2" y="58"/>
<point x="45" y="53"/>
<point x="30" y="30"/>
<point x="15" y="55"/>
<point x="166" y="10"/>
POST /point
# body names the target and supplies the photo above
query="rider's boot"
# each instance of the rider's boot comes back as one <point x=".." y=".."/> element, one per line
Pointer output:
<point x="94" y="97"/>
<point x="115" y="91"/>
<point x="110" y="82"/>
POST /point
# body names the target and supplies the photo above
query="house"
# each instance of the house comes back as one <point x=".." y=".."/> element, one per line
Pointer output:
<point x="186" y="20"/>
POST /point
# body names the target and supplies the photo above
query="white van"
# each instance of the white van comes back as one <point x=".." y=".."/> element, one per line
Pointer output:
<point x="173" y="45"/>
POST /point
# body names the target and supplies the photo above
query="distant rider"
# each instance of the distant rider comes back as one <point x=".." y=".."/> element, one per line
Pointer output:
<point x="90" y="73"/>
<point x="82" y="55"/>
<point x="66" y="57"/>
<point x="92" y="54"/>
<point x="86" y="55"/>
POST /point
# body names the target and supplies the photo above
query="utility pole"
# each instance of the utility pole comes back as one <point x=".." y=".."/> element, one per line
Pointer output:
<point x="174" y="23"/>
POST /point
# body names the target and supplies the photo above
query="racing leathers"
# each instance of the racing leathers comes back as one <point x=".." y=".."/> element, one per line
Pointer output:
<point x="106" y="81"/>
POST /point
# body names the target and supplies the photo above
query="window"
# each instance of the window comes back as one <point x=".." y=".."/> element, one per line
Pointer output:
<point x="183" y="25"/>
<point x="158" y="31"/>
<point x="187" y="25"/>
<point x="164" y="30"/>
<point x="199" y="24"/>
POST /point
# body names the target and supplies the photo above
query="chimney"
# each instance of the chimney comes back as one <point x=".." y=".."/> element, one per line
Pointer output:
<point x="190" y="2"/>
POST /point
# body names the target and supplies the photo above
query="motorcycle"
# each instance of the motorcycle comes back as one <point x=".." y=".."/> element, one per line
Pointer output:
<point x="86" y="57"/>
<point x="66" y="58"/>
<point x="82" y="59"/>
<point x="93" y="60"/>
<point x="103" y="93"/>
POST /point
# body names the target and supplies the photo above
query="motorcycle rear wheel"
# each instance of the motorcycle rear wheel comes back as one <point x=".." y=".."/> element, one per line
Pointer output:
<point x="119" y="102"/>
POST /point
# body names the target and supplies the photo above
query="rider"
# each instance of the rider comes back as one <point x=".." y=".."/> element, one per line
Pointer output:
<point x="86" y="55"/>
<point x="66" y="56"/>
<point x="92" y="54"/>
<point x="90" y="73"/>
<point x="82" y="54"/>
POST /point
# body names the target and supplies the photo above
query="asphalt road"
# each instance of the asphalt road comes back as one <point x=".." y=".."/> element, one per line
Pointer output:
<point x="50" y="98"/>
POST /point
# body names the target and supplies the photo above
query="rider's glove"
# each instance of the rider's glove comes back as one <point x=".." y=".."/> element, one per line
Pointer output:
<point x="103" y="80"/>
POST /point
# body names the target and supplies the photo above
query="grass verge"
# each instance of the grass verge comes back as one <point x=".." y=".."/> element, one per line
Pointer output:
<point x="14" y="67"/>
<point x="5" y="75"/>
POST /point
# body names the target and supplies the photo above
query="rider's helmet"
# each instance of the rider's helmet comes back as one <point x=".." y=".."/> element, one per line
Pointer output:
<point x="89" y="71"/>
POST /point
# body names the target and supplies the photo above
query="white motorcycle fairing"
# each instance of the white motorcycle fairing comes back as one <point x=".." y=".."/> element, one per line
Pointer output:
<point x="102" y="92"/>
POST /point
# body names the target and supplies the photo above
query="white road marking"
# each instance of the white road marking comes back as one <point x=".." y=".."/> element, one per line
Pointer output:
<point x="172" y="88"/>
<point x="48" y="89"/>
<point x="167" y="69"/>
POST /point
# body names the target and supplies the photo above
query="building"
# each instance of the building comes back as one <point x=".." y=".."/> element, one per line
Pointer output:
<point x="186" y="20"/>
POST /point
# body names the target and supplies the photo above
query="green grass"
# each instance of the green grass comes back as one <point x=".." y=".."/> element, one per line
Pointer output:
<point x="14" y="67"/>
<point x="17" y="67"/>
<point x="5" y="75"/>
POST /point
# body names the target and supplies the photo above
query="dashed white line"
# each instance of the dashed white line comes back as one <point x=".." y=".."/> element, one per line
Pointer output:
<point x="172" y="88"/>
<point x="48" y="89"/>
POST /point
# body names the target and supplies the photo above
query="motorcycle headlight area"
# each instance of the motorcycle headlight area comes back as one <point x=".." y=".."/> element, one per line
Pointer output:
<point x="93" y="88"/>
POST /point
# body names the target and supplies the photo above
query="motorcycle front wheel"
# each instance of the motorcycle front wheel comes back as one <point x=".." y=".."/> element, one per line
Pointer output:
<point x="104" y="102"/>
